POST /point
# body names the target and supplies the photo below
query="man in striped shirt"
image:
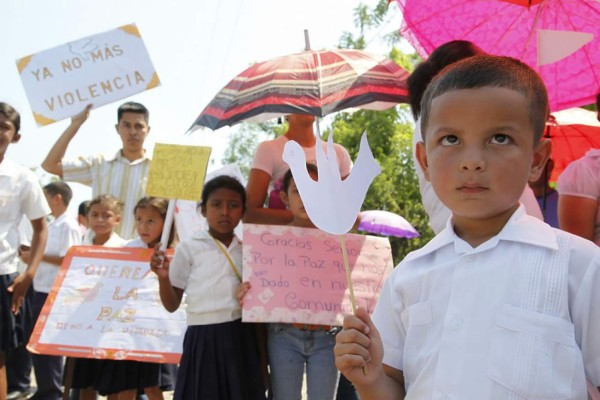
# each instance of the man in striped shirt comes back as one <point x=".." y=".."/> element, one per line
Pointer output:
<point x="123" y="175"/>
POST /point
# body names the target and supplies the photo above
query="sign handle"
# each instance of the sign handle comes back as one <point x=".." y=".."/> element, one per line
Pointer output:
<point x="164" y="238"/>
<point x="350" y="287"/>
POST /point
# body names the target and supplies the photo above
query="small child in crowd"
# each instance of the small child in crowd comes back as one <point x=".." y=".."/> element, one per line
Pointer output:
<point x="20" y="195"/>
<point x="292" y="347"/>
<point x="63" y="233"/>
<point x="498" y="305"/>
<point x="220" y="358"/>
<point x="104" y="214"/>
<point x="123" y="376"/>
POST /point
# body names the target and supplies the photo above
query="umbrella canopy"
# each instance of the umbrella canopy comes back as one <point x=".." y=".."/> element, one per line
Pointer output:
<point x="386" y="223"/>
<point x="558" y="38"/>
<point x="573" y="132"/>
<point x="311" y="82"/>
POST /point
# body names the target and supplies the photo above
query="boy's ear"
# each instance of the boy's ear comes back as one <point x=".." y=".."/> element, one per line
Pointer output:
<point x="284" y="197"/>
<point x="422" y="159"/>
<point x="541" y="154"/>
<point x="203" y="211"/>
<point x="16" y="138"/>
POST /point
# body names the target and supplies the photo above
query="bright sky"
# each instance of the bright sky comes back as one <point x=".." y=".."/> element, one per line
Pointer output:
<point x="196" y="47"/>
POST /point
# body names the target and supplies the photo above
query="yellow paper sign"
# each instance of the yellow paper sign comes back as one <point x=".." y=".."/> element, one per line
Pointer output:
<point x="177" y="171"/>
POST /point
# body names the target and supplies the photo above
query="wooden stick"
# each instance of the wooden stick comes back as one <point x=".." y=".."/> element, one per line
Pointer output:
<point x="350" y="287"/>
<point x="164" y="238"/>
<point x="348" y="275"/>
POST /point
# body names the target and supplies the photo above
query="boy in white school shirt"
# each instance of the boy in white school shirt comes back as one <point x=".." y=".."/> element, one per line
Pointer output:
<point x="20" y="194"/>
<point x="499" y="305"/>
<point x="63" y="233"/>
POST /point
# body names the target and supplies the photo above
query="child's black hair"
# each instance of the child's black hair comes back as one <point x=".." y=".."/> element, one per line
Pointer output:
<point x="491" y="71"/>
<point x="223" y="182"/>
<point x="109" y="201"/>
<point x="287" y="177"/>
<point x="83" y="207"/>
<point x="60" y="187"/>
<point x="133" y="107"/>
<point x="441" y="57"/>
<point x="13" y="115"/>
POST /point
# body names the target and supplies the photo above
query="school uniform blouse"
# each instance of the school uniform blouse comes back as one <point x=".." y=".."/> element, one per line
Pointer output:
<point x="116" y="175"/>
<point x="20" y="194"/>
<point x="63" y="233"/>
<point x="516" y="316"/>
<point x="113" y="241"/>
<point x="201" y="269"/>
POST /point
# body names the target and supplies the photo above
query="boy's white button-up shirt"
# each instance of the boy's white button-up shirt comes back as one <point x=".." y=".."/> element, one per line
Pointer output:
<point x="20" y="194"/>
<point x="517" y="317"/>
<point x="63" y="233"/>
<point x="201" y="269"/>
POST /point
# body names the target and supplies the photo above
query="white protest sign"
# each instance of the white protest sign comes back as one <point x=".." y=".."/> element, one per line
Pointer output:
<point x="105" y="304"/>
<point x="98" y="69"/>
<point x="297" y="274"/>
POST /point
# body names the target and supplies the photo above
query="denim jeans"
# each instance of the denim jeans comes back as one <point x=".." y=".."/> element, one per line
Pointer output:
<point x="290" y="349"/>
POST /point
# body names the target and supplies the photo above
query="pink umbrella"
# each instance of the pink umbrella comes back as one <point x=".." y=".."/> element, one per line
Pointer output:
<point x="558" y="38"/>
<point x="386" y="223"/>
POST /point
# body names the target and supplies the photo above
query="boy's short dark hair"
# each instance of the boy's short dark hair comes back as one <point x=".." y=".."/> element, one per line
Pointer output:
<point x="223" y="182"/>
<point x="60" y="187"/>
<point x="13" y="115"/>
<point x="287" y="177"/>
<point x="108" y="200"/>
<point x="83" y="207"/>
<point x="491" y="71"/>
<point x="133" y="107"/>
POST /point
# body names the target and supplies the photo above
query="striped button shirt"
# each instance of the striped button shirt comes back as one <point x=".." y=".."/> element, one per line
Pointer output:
<point x="116" y="175"/>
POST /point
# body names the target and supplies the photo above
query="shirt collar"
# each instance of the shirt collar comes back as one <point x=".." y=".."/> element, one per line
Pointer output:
<point x="204" y="235"/>
<point x="118" y="156"/>
<point x="520" y="227"/>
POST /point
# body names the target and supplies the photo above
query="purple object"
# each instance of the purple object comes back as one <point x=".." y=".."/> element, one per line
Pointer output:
<point x="386" y="223"/>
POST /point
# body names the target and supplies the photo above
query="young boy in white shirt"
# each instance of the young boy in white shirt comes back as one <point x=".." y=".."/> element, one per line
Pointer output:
<point x="63" y="233"/>
<point x="20" y="194"/>
<point x="499" y="305"/>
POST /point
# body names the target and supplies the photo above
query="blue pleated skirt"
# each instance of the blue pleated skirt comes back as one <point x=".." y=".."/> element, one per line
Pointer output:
<point x="221" y="362"/>
<point x="118" y="375"/>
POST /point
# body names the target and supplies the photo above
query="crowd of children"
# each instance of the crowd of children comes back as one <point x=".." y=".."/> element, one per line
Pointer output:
<point x="498" y="305"/>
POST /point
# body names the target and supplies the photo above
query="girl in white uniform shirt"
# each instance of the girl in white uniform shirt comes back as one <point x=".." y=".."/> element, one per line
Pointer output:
<point x="220" y="356"/>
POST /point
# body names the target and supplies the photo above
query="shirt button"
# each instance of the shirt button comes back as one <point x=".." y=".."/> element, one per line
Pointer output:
<point x="470" y="258"/>
<point x="457" y="323"/>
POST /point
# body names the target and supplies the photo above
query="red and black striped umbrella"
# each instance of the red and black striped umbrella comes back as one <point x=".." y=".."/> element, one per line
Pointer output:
<point x="311" y="82"/>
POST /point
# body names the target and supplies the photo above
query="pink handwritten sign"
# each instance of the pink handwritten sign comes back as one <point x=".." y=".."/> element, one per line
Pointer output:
<point x="105" y="304"/>
<point x="297" y="274"/>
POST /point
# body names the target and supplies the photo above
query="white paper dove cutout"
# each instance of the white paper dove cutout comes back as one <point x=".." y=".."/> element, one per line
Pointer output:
<point x="332" y="204"/>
